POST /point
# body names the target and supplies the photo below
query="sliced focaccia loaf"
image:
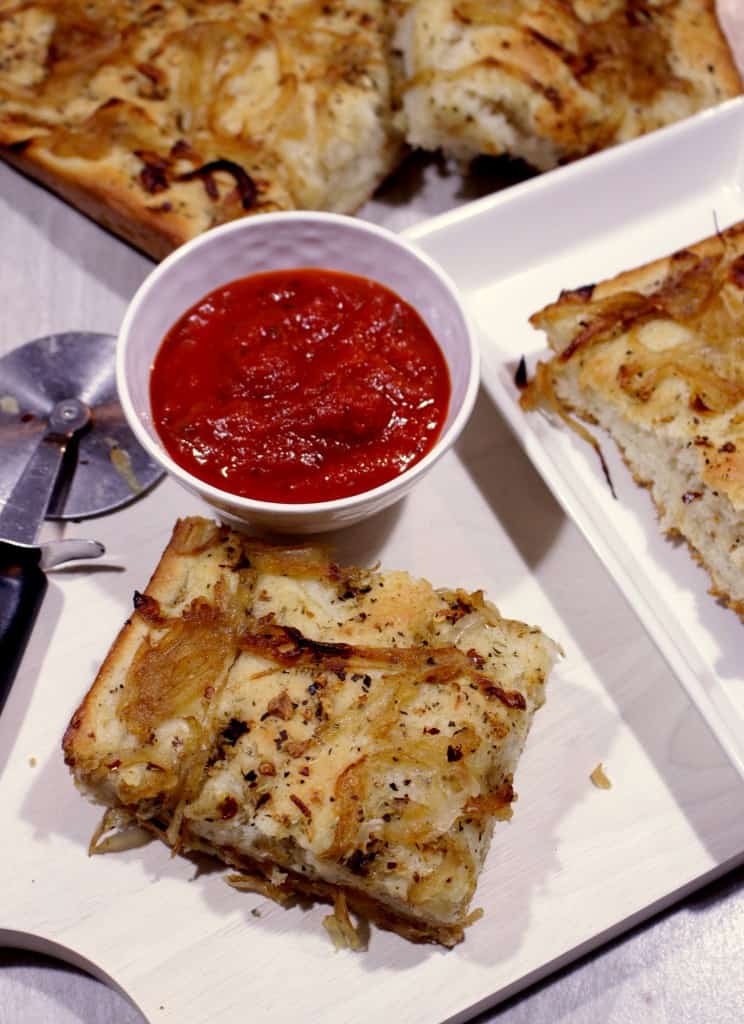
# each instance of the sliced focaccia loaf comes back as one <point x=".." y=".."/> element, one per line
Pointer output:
<point x="162" y="119"/>
<point x="330" y="732"/>
<point x="656" y="356"/>
<point x="551" y="80"/>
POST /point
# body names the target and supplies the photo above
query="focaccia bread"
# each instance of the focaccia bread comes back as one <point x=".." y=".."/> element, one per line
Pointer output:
<point x="551" y="80"/>
<point x="162" y="119"/>
<point x="337" y="733"/>
<point x="656" y="357"/>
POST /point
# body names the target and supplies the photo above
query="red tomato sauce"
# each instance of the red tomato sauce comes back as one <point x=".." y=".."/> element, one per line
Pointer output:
<point x="299" y="386"/>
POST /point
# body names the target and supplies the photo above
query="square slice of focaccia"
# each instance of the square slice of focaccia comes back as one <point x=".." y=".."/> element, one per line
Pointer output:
<point x="656" y="357"/>
<point x="162" y="119"/>
<point x="338" y="733"/>
<point x="551" y="80"/>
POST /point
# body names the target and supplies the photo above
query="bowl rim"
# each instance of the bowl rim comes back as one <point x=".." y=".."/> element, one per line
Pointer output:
<point x="233" y="502"/>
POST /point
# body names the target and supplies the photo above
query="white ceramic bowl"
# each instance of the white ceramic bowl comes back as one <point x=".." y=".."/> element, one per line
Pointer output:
<point x="277" y="241"/>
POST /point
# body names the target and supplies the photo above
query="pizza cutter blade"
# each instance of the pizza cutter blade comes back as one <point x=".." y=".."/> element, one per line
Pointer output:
<point x="66" y="452"/>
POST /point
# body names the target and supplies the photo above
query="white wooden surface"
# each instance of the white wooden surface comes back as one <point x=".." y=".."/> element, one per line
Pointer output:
<point x="575" y="865"/>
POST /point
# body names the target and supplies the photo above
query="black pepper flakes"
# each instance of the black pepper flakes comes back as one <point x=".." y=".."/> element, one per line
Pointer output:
<point x="233" y="731"/>
<point x="358" y="861"/>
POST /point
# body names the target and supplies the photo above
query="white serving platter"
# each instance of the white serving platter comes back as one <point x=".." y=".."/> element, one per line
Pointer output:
<point x="513" y="253"/>
<point x="575" y="866"/>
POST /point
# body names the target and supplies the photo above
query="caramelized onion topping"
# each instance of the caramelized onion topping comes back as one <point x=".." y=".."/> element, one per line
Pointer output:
<point x="246" y="186"/>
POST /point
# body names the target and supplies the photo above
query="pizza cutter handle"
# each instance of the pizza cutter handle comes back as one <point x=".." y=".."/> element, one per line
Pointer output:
<point x="22" y="588"/>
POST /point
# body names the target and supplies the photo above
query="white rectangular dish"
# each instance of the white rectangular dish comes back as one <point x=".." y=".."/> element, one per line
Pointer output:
<point x="512" y="254"/>
<point x="576" y="865"/>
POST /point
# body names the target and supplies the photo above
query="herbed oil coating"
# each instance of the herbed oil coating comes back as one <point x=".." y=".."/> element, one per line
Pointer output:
<point x="325" y="730"/>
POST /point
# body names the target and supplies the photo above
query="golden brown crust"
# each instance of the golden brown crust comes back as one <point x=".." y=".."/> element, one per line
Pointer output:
<point x="163" y="120"/>
<point x="256" y="876"/>
<point x="304" y="106"/>
<point x="701" y="48"/>
<point x="355" y="729"/>
<point x="644" y="279"/>
<point x="656" y="356"/>
<point x="109" y="205"/>
<point x="79" y="741"/>
<point x="555" y="80"/>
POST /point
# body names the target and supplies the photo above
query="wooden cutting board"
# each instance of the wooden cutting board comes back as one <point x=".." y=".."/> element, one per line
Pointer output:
<point x="575" y="866"/>
<point x="576" y="863"/>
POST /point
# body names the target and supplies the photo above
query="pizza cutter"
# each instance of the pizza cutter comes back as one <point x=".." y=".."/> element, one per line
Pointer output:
<point x="66" y="452"/>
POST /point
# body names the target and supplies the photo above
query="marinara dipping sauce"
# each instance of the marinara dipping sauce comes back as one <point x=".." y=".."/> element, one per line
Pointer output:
<point x="299" y="386"/>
